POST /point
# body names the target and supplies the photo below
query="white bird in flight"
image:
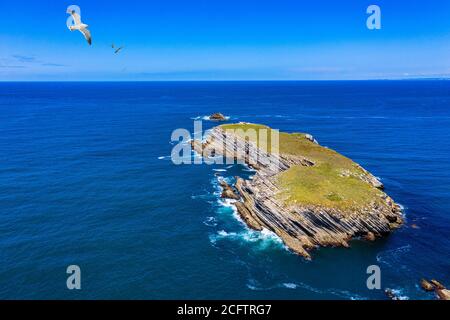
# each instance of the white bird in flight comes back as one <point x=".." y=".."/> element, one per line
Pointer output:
<point x="80" y="26"/>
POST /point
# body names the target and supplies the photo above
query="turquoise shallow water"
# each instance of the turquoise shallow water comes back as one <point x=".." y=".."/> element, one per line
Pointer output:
<point x="85" y="179"/>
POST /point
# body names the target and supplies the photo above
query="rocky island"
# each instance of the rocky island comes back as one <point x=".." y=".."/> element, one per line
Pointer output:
<point x="313" y="197"/>
<point x="217" y="117"/>
<point x="433" y="285"/>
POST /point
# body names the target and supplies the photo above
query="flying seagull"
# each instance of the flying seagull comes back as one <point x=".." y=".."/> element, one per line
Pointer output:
<point x="117" y="49"/>
<point x="78" y="25"/>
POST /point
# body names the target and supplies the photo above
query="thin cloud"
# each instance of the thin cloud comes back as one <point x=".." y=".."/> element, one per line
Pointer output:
<point x="53" y="65"/>
<point x="23" y="58"/>
<point x="32" y="60"/>
<point x="11" y="67"/>
<point x="7" y="64"/>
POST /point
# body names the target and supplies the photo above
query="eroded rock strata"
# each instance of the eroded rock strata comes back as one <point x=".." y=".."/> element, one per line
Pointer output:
<point x="307" y="194"/>
<point x="442" y="293"/>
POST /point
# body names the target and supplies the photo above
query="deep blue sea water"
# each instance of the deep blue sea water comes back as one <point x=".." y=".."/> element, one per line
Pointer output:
<point x="85" y="179"/>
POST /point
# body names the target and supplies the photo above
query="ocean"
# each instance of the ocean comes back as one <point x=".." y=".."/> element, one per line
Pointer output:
<point x="86" y="179"/>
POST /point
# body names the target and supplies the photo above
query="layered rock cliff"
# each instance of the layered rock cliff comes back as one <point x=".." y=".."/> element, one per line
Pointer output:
<point x="307" y="194"/>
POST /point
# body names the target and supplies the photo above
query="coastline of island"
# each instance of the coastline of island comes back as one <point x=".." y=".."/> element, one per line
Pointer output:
<point x="316" y="197"/>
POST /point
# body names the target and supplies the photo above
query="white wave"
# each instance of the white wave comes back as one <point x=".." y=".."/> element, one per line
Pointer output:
<point x="165" y="158"/>
<point x="264" y="235"/>
<point x="261" y="240"/>
<point x="399" y="294"/>
<point x="290" y="285"/>
<point x="210" y="222"/>
<point x="404" y="212"/>
<point x="220" y="170"/>
<point x="220" y="235"/>
<point x="253" y="284"/>
<point x="225" y="234"/>
<point x="254" y="288"/>
<point x="346" y="294"/>
<point x="393" y="257"/>
<point x="197" y="118"/>
<point x="228" y="203"/>
<point x="264" y="238"/>
<point x="228" y="180"/>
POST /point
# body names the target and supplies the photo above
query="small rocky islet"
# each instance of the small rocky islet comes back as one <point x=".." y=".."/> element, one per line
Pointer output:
<point x="313" y="196"/>
<point x="217" y="117"/>
<point x="435" y="286"/>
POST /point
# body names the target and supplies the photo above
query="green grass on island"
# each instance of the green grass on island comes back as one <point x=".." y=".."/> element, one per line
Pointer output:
<point x="333" y="182"/>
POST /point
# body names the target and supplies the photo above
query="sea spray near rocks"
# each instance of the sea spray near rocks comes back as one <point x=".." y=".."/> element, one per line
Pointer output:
<point x="227" y="209"/>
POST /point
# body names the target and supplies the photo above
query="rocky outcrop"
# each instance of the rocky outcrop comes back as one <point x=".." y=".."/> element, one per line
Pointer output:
<point x="301" y="227"/>
<point x="443" y="294"/>
<point x="217" y="117"/>
<point x="370" y="236"/>
<point x="227" y="191"/>
<point x="437" y="284"/>
<point x="433" y="285"/>
<point x="425" y="285"/>
<point x="391" y="294"/>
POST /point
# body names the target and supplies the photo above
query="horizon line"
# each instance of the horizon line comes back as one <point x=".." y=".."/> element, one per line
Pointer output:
<point x="238" y="80"/>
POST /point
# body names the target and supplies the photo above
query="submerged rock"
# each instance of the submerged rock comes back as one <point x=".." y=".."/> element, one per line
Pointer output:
<point x="306" y="194"/>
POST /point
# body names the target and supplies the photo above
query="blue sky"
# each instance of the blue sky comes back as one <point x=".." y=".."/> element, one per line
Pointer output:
<point x="225" y="40"/>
